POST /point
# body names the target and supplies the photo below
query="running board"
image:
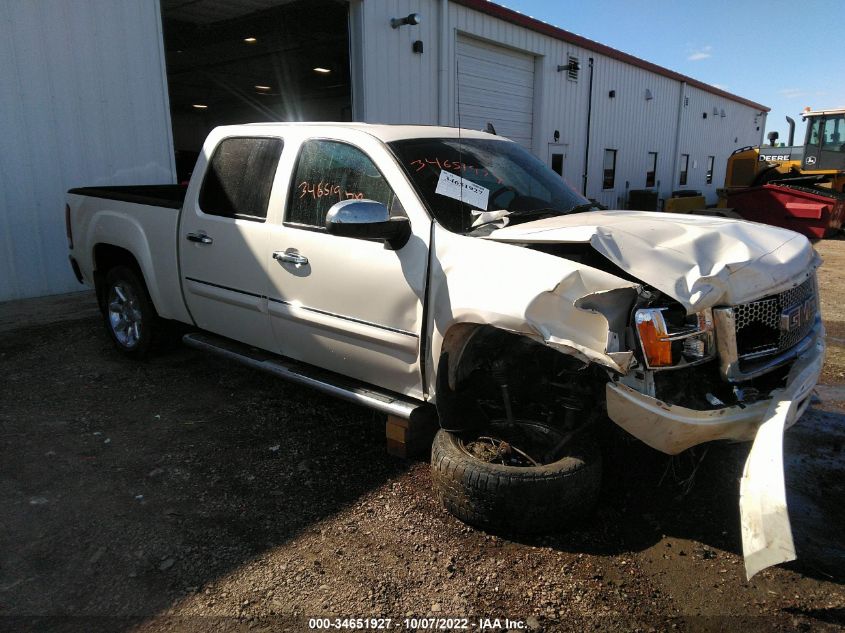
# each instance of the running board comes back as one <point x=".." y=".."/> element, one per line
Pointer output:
<point x="303" y="374"/>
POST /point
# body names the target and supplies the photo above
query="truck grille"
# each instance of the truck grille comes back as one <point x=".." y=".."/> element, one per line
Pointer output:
<point x="774" y="324"/>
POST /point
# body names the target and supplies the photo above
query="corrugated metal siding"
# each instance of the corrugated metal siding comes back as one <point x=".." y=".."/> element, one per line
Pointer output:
<point x="399" y="86"/>
<point x="715" y="136"/>
<point x="83" y="101"/>
<point x="632" y="125"/>
<point x="392" y="83"/>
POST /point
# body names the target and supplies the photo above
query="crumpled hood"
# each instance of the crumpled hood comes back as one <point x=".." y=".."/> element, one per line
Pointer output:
<point x="701" y="261"/>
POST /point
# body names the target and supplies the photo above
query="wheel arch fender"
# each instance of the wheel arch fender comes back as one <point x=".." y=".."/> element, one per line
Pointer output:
<point x="119" y="239"/>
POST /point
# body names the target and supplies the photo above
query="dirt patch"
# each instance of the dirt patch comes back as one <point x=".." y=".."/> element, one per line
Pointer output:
<point x="187" y="493"/>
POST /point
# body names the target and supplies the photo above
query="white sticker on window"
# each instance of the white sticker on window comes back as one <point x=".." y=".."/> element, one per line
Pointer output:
<point x="453" y="186"/>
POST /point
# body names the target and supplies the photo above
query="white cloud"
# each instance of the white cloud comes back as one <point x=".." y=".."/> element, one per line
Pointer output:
<point x="701" y="53"/>
<point x="792" y="93"/>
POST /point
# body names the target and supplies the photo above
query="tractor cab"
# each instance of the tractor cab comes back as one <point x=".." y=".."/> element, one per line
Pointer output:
<point x="824" y="145"/>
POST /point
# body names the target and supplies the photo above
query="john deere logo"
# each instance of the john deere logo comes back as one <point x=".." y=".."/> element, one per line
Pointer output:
<point x="811" y="160"/>
<point x="794" y="317"/>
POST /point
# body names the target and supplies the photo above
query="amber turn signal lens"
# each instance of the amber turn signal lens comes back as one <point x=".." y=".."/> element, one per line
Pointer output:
<point x="652" y="329"/>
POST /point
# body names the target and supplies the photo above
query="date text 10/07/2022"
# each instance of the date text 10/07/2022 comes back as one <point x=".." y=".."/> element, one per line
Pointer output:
<point x="418" y="624"/>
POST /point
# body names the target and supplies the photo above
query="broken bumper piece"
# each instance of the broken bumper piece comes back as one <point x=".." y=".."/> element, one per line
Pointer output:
<point x="672" y="429"/>
<point x="764" y="519"/>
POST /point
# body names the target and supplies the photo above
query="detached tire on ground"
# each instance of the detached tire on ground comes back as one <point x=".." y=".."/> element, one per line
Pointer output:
<point x="130" y="317"/>
<point x="531" y="499"/>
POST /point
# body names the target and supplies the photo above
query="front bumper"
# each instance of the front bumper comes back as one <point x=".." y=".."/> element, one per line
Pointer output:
<point x="672" y="429"/>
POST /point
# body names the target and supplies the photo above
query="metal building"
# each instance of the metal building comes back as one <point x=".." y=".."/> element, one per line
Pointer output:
<point x="97" y="92"/>
<point x="83" y="99"/>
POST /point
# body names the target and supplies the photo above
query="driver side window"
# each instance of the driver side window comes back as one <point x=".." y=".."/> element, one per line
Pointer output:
<point x="329" y="172"/>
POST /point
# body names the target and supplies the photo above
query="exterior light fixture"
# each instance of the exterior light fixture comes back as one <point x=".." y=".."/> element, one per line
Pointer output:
<point x="250" y="40"/>
<point x="648" y="95"/>
<point x="200" y="106"/>
<point x="412" y="19"/>
<point x="321" y="70"/>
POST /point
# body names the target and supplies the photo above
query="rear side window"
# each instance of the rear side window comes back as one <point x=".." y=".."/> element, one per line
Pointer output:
<point x="329" y="172"/>
<point x="239" y="178"/>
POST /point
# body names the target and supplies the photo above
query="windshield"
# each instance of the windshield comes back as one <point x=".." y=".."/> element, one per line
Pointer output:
<point x="460" y="178"/>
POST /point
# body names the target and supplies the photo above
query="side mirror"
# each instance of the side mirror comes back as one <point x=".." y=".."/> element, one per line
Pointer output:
<point x="369" y="220"/>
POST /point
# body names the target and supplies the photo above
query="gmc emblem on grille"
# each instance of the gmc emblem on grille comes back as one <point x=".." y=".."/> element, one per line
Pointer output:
<point x="794" y="317"/>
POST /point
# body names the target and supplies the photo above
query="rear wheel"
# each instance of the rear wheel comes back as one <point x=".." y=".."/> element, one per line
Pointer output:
<point x="130" y="317"/>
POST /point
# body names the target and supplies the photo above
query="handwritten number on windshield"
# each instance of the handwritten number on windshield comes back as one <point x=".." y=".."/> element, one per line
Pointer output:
<point x="445" y="163"/>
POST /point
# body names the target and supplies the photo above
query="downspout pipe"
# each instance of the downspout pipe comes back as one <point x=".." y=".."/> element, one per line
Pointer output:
<point x="589" y="126"/>
<point x="676" y="178"/>
<point x="443" y="117"/>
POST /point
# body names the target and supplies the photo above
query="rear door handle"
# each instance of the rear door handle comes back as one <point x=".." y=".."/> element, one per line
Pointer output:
<point x="290" y="256"/>
<point x="200" y="238"/>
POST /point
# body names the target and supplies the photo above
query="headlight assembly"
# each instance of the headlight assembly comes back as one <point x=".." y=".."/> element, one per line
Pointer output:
<point x="671" y="340"/>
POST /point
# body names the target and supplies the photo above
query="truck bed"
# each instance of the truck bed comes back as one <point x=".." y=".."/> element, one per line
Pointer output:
<point x="171" y="196"/>
<point x="142" y="220"/>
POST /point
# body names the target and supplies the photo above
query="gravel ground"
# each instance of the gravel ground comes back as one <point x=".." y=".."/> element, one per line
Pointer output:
<point x="186" y="493"/>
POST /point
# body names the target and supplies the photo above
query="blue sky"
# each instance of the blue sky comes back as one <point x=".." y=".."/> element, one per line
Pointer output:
<point x="785" y="55"/>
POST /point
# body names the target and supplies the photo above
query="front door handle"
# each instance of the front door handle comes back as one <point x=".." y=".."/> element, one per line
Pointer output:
<point x="200" y="238"/>
<point x="290" y="256"/>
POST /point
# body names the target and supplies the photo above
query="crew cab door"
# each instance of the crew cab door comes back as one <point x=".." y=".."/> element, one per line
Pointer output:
<point x="352" y="306"/>
<point x="223" y="239"/>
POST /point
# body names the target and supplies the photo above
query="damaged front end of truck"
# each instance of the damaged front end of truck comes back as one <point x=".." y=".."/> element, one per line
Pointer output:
<point x="682" y="331"/>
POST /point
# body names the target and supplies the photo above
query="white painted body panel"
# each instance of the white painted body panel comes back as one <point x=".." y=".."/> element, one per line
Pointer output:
<point x="225" y="283"/>
<point x="476" y="281"/>
<point x="356" y="308"/>
<point x="701" y="261"/>
<point x="148" y="232"/>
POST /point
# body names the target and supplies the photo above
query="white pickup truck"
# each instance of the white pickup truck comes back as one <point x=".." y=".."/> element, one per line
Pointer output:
<point x="427" y="271"/>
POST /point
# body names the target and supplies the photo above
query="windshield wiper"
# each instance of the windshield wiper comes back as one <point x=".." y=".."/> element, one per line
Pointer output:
<point x="529" y="215"/>
<point x="587" y="206"/>
<point x="509" y="218"/>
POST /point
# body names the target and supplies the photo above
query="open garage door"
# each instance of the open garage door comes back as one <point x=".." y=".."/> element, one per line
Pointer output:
<point x="495" y="84"/>
<point x="241" y="61"/>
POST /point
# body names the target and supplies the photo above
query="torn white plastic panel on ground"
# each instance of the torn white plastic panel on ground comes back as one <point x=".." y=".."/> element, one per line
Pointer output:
<point x="764" y="518"/>
<point x="700" y="261"/>
<point x="766" y="532"/>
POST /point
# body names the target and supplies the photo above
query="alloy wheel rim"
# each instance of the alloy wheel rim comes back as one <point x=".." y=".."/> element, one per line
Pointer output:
<point x="125" y="316"/>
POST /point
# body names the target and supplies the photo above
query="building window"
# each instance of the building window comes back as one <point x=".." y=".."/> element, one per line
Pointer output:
<point x="684" y="169"/>
<point x="651" y="172"/>
<point x="572" y="71"/>
<point x="609" y="169"/>
<point x="710" y="161"/>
